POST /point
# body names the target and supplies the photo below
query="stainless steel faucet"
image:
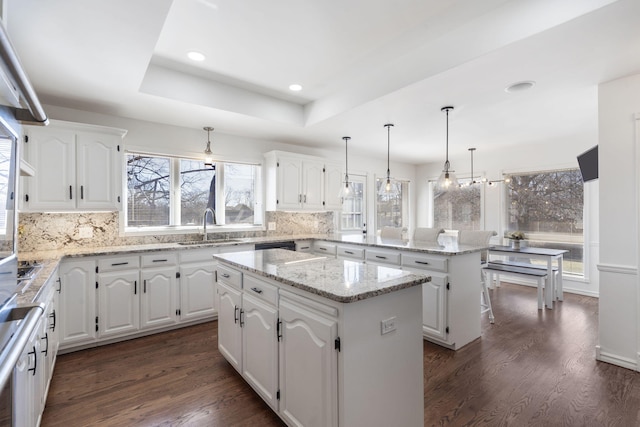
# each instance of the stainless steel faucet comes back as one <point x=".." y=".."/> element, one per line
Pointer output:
<point x="204" y="220"/>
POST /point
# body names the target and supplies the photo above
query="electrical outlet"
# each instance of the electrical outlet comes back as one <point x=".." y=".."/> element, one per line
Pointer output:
<point x="272" y="226"/>
<point x="85" y="232"/>
<point x="388" y="325"/>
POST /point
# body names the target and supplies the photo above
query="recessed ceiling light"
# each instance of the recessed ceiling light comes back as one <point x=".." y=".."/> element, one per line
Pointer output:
<point x="295" y="87"/>
<point x="520" y="86"/>
<point x="196" y="56"/>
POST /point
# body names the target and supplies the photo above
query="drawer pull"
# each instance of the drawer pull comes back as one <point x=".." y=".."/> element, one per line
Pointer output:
<point x="256" y="290"/>
<point x="241" y="321"/>
<point x="348" y="252"/>
<point x="381" y="257"/>
<point x="225" y="275"/>
<point x="115" y="264"/>
<point x="159" y="260"/>
<point x="422" y="262"/>
<point x="304" y="248"/>
<point x="323" y="249"/>
<point x="235" y="314"/>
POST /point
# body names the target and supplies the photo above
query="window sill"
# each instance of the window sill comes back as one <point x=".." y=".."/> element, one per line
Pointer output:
<point x="169" y="230"/>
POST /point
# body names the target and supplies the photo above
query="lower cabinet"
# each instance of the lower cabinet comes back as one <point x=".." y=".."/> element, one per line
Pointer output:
<point x="118" y="303"/>
<point x="77" y="302"/>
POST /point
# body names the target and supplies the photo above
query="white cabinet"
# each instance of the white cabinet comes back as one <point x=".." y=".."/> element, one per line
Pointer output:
<point x="78" y="167"/>
<point x="308" y="365"/>
<point x="197" y="284"/>
<point x="229" y="332"/>
<point x="27" y="383"/>
<point x="49" y="333"/>
<point x="435" y="307"/>
<point x="119" y="301"/>
<point x="158" y="299"/>
<point x="350" y="252"/>
<point x="77" y="302"/>
<point x="298" y="182"/>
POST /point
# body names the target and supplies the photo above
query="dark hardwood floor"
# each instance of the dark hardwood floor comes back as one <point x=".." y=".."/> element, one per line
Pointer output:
<point x="530" y="368"/>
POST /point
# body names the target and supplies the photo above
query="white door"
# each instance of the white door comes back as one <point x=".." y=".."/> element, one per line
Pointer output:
<point x="434" y="307"/>
<point x="260" y="348"/>
<point x="333" y="182"/>
<point x="77" y="302"/>
<point x="158" y="297"/>
<point x="289" y="184"/>
<point x="98" y="180"/>
<point x="229" y="331"/>
<point x="197" y="291"/>
<point x="119" y="303"/>
<point x="52" y="153"/>
<point x="313" y="185"/>
<point x="308" y="367"/>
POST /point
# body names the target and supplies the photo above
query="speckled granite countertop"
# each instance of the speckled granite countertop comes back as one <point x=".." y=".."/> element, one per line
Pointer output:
<point x="335" y="279"/>
<point x="444" y="246"/>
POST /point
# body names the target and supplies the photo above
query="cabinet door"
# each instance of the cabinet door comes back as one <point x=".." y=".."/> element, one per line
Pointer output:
<point x="229" y="331"/>
<point x="434" y="307"/>
<point x="158" y="298"/>
<point x="260" y="348"/>
<point x="119" y="303"/>
<point x="333" y="182"/>
<point x="197" y="291"/>
<point x="98" y="180"/>
<point x="313" y="185"/>
<point x="77" y="302"/>
<point x="308" y="367"/>
<point x="52" y="153"/>
<point x="289" y="177"/>
<point x="25" y="385"/>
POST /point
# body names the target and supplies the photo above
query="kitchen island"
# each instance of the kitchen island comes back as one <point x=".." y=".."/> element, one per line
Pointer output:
<point x="324" y="341"/>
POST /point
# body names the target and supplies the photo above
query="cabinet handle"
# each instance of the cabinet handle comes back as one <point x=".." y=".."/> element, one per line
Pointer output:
<point x="53" y="316"/>
<point x="145" y="286"/>
<point x="82" y="192"/>
<point x="159" y="260"/>
<point x="235" y="314"/>
<point x="135" y="287"/>
<point x="115" y="264"/>
<point x="305" y="198"/>
<point x="299" y="198"/>
<point x="279" y="329"/>
<point x="303" y="248"/>
<point x="46" y="347"/>
<point x="225" y="275"/>
<point x="70" y="193"/>
<point x="59" y="283"/>
<point x="241" y="321"/>
<point x="35" y="361"/>
<point x="422" y="262"/>
<point x="323" y="249"/>
<point x="381" y="257"/>
<point x="348" y="252"/>
<point x="256" y="290"/>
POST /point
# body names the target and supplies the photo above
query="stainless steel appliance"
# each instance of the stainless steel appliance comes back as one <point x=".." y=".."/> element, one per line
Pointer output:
<point x="16" y="323"/>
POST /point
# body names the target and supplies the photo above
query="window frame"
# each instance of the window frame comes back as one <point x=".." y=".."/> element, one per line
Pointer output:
<point x="482" y="187"/>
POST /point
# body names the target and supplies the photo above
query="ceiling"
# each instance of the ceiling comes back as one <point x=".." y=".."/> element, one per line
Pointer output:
<point x="362" y="63"/>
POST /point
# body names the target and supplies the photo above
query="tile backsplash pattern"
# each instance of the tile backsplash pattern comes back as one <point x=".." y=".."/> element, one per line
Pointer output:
<point x="53" y="231"/>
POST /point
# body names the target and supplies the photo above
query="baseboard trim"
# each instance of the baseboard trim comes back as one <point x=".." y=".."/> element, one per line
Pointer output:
<point x="614" y="359"/>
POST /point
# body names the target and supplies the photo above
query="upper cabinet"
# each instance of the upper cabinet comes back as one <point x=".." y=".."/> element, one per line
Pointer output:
<point x="298" y="182"/>
<point x="77" y="167"/>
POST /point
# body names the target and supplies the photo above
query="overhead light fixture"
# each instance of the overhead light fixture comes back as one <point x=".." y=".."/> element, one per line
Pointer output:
<point x="520" y="86"/>
<point x="388" y="188"/>
<point x="494" y="183"/>
<point x="208" y="155"/>
<point x="447" y="180"/>
<point x="346" y="189"/>
<point x="196" y="56"/>
<point x="295" y="87"/>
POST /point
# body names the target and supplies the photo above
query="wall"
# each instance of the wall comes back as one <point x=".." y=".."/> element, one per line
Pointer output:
<point x="619" y="103"/>
<point x="527" y="156"/>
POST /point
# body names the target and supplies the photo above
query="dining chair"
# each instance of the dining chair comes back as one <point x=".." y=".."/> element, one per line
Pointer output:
<point x="391" y="232"/>
<point x="425" y="234"/>
<point x="480" y="238"/>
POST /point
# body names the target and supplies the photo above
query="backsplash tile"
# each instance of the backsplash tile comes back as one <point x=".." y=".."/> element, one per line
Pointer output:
<point x="53" y="231"/>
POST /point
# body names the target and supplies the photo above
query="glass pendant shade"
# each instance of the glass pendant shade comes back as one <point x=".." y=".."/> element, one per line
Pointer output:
<point x="388" y="187"/>
<point x="447" y="180"/>
<point x="208" y="155"/>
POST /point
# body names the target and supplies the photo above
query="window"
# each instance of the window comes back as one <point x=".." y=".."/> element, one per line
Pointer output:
<point x="165" y="191"/>
<point x="548" y="207"/>
<point x="457" y="210"/>
<point x="392" y="211"/>
<point x="353" y="212"/>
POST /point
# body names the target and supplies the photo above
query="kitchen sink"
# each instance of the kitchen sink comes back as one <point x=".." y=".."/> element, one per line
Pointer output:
<point x="209" y="242"/>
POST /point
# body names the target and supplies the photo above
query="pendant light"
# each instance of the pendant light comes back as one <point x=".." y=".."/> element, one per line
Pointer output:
<point x="473" y="178"/>
<point x="388" y="188"/>
<point x="208" y="159"/>
<point x="447" y="180"/>
<point x="346" y="189"/>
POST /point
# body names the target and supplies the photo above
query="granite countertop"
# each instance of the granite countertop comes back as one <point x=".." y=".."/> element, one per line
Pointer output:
<point x="335" y="279"/>
<point x="446" y="245"/>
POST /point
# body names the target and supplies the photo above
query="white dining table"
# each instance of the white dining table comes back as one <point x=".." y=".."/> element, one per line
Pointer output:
<point x="554" y="288"/>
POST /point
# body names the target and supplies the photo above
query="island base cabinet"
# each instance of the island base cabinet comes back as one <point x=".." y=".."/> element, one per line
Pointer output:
<point x="229" y="332"/>
<point x="308" y="365"/>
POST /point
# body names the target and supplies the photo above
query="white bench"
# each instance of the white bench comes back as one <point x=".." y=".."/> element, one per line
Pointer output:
<point x="501" y="269"/>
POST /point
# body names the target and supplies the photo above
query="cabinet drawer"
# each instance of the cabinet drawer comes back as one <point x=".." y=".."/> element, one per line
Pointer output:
<point x="118" y="263"/>
<point x="159" y="259"/>
<point x="303" y="246"/>
<point x="324" y="248"/>
<point x="229" y="276"/>
<point x="350" y="252"/>
<point x="425" y="262"/>
<point x="260" y="289"/>
<point x="387" y="257"/>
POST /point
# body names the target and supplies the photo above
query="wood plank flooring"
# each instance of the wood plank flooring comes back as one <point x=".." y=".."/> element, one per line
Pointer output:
<point x="530" y="368"/>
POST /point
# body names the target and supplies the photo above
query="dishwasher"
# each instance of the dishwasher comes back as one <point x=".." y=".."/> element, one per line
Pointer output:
<point x="289" y="245"/>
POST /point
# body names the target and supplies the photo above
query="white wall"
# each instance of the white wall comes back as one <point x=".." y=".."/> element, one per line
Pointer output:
<point x="159" y="138"/>
<point x="530" y="156"/>
<point x="619" y="103"/>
